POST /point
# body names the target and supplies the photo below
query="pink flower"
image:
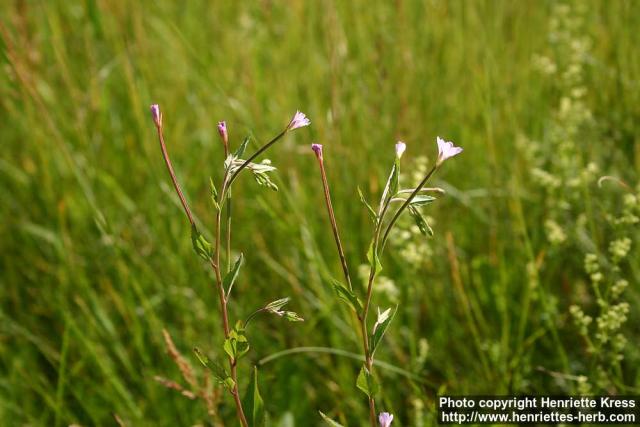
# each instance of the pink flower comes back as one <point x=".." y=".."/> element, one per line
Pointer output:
<point x="299" y="120"/>
<point x="156" y="114"/>
<point x="317" y="148"/>
<point x="400" y="147"/>
<point x="385" y="419"/>
<point x="446" y="149"/>
<point x="222" y="130"/>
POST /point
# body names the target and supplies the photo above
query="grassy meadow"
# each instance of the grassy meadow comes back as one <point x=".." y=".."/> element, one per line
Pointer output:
<point x="530" y="284"/>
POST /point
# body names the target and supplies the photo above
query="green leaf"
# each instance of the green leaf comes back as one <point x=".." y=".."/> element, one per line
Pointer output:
<point x="330" y="421"/>
<point x="202" y="358"/>
<point x="253" y="403"/>
<point x="275" y="306"/>
<point x="366" y="383"/>
<point x="347" y="295"/>
<point x="240" y="151"/>
<point x="380" y="327"/>
<point x="422" y="223"/>
<point x="219" y="373"/>
<point x="264" y="180"/>
<point x="229" y="383"/>
<point x="374" y="261"/>
<point x="214" y="194"/>
<point x="236" y="345"/>
<point x="421" y="200"/>
<point x="292" y="316"/>
<point x="391" y="188"/>
<point x="200" y="244"/>
<point x="372" y="213"/>
<point x="232" y="275"/>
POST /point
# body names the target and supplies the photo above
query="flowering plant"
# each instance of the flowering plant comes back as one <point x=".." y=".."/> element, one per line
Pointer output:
<point x="384" y="218"/>
<point x="236" y="343"/>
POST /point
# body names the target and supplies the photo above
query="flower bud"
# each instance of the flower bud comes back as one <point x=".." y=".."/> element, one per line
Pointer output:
<point x="156" y="114"/>
<point x="317" y="148"/>
<point x="222" y="130"/>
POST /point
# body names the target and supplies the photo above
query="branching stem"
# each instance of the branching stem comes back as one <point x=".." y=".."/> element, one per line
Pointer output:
<point x="215" y="265"/>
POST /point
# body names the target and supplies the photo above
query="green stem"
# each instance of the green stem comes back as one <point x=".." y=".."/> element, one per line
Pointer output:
<point x="256" y="154"/>
<point x="228" y="210"/>
<point x="167" y="161"/>
<point x="407" y="203"/>
<point x="215" y="263"/>
<point x="332" y="218"/>
<point x="225" y="321"/>
<point x="372" y="275"/>
<point x="252" y="315"/>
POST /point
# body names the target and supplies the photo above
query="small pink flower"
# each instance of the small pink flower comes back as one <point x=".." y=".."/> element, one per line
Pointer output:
<point x="299" y="120"/>
<point x="156" y="114"/>
<point x="400" y="147"/>
<point x="317" y="148"/>
<point x="222" y="130"/>
<point x="446" y="149"/>
<point x="385" y="419"/>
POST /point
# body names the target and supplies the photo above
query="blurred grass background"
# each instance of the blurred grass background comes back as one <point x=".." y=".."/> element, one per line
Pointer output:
<point x="95" y="251"/>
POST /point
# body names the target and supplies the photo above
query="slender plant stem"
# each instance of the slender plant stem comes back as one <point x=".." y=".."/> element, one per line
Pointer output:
<point x="167" y="161"/>
<point x="225" y="321"/>
<point x="367" y="304"/>
<point x="225" y="198"/>
<point x="372" y="274"/>
<point x="228" y="210"/>
<point x="256" y="154"/>
<point x="363" y="319"/>
<point x="252" y="315"/>
<point x="334" y="225"/>
<point x="345" y="269"/>
<point x="228" y="231"/>
<point x="215" y="263"/>
<point x="407" y="203"/>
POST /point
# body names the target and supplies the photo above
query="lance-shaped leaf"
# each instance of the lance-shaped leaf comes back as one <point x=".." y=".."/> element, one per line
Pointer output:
<point x="252" y="402"/>
<point x="347" y="295"/>
<point x="380" y="327"/>
<point x="366" y="383"/>
<point x="260" y="171"/>
<point x="260" y="174"/>
<point x="200" y="244"/>
<point x="374" y="260"/>
<point x="292" y="316"/>
<point x="232" y="275"/>
<point x="423" y="190"/>
<point x="421" y="200"/>
<point x="422" y="223"/>
<point x="329" y="421"/>
<point x="392" y="185"/>
<point x="219" y="372"/>
<point x="240" y="151"/>
<point x="275" y="306"/>
<point x="372" y="213"/>
<point x="214" y="194"/>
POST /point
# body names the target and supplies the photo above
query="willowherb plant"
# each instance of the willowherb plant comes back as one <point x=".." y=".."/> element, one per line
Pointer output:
<point x="236" y="343"/>
<point x="384" y="218"/>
